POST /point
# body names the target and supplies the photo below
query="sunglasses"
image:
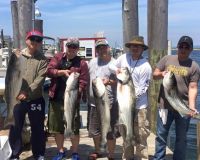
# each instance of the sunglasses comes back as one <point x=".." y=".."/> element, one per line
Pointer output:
<point x="72" y="46"/>
<point x="184" y="47"/>
<point x="137" y="46"/>
<point x="36" y="39"/>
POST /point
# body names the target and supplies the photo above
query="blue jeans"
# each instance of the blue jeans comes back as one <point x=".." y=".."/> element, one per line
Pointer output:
<point x="181" y="128"/>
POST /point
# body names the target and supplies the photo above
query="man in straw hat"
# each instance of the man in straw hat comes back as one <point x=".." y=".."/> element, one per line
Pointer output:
<point x="140" y="71"/>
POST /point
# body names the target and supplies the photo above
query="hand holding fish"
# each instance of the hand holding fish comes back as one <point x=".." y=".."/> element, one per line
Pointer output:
<point x="164" y="73"/>
<point x="17" y="52"/>
<point x="118" y="71"/>
<point x="22" y="96"/>
<point x="65" y="73"/>
<point x="106" y="81"/>
<point x="159" y="74"/>
<point x="193" y="112"/>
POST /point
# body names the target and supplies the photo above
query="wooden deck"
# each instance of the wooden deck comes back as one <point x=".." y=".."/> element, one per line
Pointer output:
<point x="86" y="146"/>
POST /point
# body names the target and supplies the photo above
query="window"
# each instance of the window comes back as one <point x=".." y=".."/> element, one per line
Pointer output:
<point x="88" y="52"/>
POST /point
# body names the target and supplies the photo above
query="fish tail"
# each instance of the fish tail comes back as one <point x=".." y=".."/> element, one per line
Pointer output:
<point x="102" y="147"/>
<point x="68" y="132"/>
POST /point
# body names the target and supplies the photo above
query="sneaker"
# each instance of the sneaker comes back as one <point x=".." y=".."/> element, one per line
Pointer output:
<point x="40" y="158"/>
<point x="75" y="156"/>
<point x="59" y="156"/>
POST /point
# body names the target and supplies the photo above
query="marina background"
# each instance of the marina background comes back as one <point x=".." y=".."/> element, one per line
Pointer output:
<point x="158" y="24"/>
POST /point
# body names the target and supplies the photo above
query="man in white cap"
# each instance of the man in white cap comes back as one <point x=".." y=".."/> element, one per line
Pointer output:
<point x="98" y="67"/>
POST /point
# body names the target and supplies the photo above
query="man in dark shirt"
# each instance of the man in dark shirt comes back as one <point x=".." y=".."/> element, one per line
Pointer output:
<point x="59" y="68"/>
<point x="186" y="73"/>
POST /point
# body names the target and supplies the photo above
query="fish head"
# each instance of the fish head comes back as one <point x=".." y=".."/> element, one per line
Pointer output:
<point x="72" y="81"/>
<point x="124" y="76"/>
<point x="98" y="87"/>
<point x="169" y="80"/>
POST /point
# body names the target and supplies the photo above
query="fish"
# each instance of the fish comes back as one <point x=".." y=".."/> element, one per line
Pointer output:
<point x="70" y="99"/>
<point x="102" y="102"/>
<point x="172" y="96"/>
<point x="13" y="83"/>
<point x="126" y="100"/>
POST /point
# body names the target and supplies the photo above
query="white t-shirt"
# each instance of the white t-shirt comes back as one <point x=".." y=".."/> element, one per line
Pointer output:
<point x="141" y="72"/>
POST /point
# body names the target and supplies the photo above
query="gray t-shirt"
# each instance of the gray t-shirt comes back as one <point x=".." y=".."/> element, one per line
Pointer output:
<point x="99" y="68"/>
<point x="185" y="72"/>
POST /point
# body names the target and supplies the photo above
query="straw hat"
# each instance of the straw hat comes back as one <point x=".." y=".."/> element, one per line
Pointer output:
<point x="137" y="40"/>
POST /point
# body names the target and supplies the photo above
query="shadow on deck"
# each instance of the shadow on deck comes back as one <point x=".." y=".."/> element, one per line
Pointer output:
<point x="86" y="147"/>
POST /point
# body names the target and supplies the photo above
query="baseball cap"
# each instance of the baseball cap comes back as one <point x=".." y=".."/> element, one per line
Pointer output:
<point x="34" y="33"/>
<point x="72" y="41"/>
<point x="101" y="42"/>
<point x="186" y="39"/>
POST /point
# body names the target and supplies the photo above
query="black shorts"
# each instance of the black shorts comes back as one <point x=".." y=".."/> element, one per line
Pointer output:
<point x="55" y="118"/>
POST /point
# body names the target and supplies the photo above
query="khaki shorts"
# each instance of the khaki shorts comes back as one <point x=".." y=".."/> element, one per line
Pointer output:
<point x="94" y="125"/>
<point x="55" y="118"/>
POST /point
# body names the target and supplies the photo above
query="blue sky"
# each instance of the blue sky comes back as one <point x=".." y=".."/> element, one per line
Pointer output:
<point x="64" y="18"/>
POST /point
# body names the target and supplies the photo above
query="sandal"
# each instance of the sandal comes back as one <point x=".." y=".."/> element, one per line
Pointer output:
<point x="94" y="156"/>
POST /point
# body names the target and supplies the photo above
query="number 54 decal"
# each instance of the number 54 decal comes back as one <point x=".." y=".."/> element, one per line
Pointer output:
<point x="36" y="107"/>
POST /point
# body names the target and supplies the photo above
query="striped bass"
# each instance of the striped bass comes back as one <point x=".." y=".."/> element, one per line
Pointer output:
<point x="13" y="83"/>
<point x="171" y="94"/>
<point x="70" y="100"/>
<point x="102" y="103"/>
<point x="126" y="100"/>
